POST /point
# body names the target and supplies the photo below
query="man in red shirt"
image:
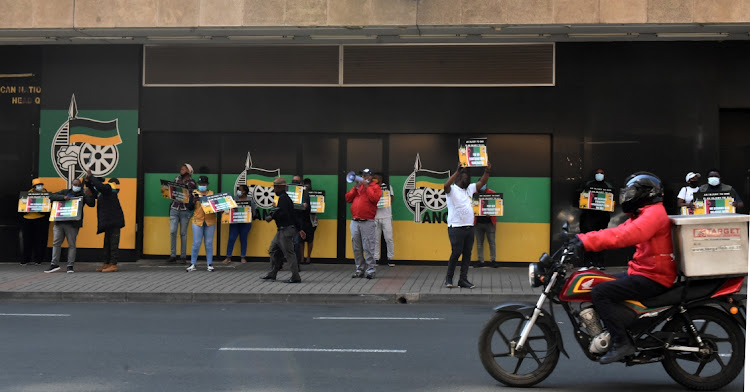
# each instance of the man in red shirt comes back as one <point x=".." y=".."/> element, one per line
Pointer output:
<point x="652" y="270"/>
<point x="364" y="198"/>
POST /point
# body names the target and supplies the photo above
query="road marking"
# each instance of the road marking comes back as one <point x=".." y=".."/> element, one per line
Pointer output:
<point x="314" y="350"/>
<point x="34" y="315"/>
<point x="379" y="318"/>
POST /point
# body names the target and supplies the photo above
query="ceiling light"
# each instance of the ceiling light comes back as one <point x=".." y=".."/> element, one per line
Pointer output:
<point x="257" y="37"/>
<point x="515" y="36"/>
<point x="13" y="39"/>
<point x="601" y="35"/>
<point x="431" y="36"/>
<point x="692" y="35"/>
<point x="178" y="37"/>
<point x="88" y="37"/>
<point x="343" y="37"/>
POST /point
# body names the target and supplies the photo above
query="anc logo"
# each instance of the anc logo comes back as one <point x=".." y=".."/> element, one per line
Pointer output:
<point x="423" y="189"/>
<point x="259" y="182"/>
<point x="83" y="143"/>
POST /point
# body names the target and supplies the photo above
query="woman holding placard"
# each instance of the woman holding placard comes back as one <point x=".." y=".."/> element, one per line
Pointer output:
<point x="240" y="229"/>
<point x="204" y="226"/>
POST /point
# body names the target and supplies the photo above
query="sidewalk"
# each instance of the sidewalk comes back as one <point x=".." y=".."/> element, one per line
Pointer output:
<point x="153" y="281"/>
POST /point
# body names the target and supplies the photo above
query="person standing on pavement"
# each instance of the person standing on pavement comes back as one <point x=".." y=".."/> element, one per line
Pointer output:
<point x="715" y="185"/>
<point x="110" y="218"/>
<point x="593" y="220"/>
<point x="313" y="227"/>
<point x="204" y="226"/>
<point x="364" y="197"/>
<point x="240" y="230"/>
<point x="484" y="226"/>
<point x="63" y="230"/>
<point x="685" y="197"/>
<point x="287" y="226"/>
<point x="179" y="216"/>
<point x="384" y="223"/>
<point x="35" y="230"/>
<point x="302" y="216"/>
<point x="459" y="192"/>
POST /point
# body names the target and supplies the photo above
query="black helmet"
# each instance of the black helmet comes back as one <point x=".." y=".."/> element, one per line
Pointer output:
<point x="641" y="189"/>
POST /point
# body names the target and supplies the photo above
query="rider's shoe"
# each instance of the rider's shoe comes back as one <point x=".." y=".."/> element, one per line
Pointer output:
<point x="617" y="353"/>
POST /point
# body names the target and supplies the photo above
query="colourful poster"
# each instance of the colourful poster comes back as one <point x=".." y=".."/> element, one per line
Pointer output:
<point x="242" y="214"/>
<point x="317" y="202"/>
<point x="385" y="198"/>
<point x="295" y="193"/>
<point x="217" y="203"/>
<point x="713" y="203"/>
<point x="473" y="152"/>
<point x="66" y="210"/>
<point x="34" y="202"/>
<point x="601" y="199"/>
<point x="488" y="204"/>
<point x="174" y="191"/>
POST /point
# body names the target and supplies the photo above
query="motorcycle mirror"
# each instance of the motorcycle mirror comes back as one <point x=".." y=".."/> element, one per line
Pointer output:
<point x="564" y="237"/>
<point x="544" y="259"/>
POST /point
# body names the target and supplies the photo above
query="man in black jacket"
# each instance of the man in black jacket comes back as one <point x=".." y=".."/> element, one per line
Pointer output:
<point x="288" y="226"/>
<point x="68" y="229"/>
<point x="110" y="218"/>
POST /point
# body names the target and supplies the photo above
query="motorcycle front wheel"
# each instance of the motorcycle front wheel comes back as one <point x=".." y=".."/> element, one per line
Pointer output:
<point x="517" y="368"/>
<point x="722" y="359"/>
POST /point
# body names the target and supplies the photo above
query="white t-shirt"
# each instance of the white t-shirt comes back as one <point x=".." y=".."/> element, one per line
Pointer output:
<point x="460" y="211"/>
<point x="385" y="212"/>
<point x="686" y="193"/>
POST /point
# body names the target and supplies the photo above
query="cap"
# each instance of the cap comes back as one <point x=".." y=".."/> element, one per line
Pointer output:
<point x="37" y="181"/>
<point x="203" y="180"/>
<point x="691" y="175"/>
<point x="366" y="171"/>
<point x="189" y="167"/>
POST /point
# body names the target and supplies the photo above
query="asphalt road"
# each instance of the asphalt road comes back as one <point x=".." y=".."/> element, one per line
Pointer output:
<point x="175" y="347"/>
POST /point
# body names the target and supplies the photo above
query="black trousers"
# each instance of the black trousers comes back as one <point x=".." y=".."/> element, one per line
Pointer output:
<point x="606" y="295"/>
<point x="35" y="235"/>
<point x="111" y="245"/>
<point x="462" y="240"/>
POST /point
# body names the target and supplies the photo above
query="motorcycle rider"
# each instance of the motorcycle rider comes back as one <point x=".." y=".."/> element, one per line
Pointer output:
<point x="652" y="270"/>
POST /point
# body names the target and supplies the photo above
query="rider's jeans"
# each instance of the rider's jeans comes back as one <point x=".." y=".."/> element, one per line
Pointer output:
<point x="606" y="295"/>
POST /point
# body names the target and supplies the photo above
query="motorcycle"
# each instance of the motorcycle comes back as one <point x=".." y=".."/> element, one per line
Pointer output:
<point x="696" y="329"/>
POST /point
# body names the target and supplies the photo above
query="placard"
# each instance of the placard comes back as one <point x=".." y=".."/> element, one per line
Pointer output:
<point x="713" y="203"/>
<point x="385" y="197"/>
<point x="242" y="214"/>
<point x="175" y="191"/>
<point x="488" y="204"/>
<point x="473" y="152"/>
<point x="317" y="202"/>
<point x="600" y="199"/>
<point x="66" y="210"/>
<point x="218" y="202"/>
<point x="295" y="193"/>
<point x="34" y="202"/>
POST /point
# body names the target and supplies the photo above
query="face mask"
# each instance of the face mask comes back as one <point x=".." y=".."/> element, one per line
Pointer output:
<point x="693" y="184"/>
<point x="239" y="193"/>
<point x="76" y="188"/>
<point x="714" y="181"/>
<point x="483" y="188"/>
<point x="39" y="188"/>
<point x="599" y="177"/>
<point x="202" y="188"/>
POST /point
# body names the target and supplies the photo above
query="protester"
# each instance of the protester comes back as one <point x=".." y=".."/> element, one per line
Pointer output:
<point x="593" y="220"/>
<point x="110" y="218"/>
<point x="282" y="245"/>
<point x="715" y="185"/>
<point x="313" y="227"/>
<point x="179" y="216"/>
<point x="68" y="229"/>
<point x="364" y="198"/>
<point x="204" y="226"/>
<point x="240" y="230"/>
<point x="384" y="223"/>
<point x="685" y="197"/>
<point x="302" y="216"/>
<point x="35" y="230"/>
<point x="484" y="226"/>
<point x="459" y="192"/>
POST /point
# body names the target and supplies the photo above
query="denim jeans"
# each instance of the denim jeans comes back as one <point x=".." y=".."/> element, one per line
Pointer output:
<point x="384" y="226"/>
<point x="181" y="219"/>
<point x="60" y="232"/>
<point x="363" y="245"/>
<point x="238" y="230"/>
<point x="485" y="230"/>
<point x="199" y="233"/>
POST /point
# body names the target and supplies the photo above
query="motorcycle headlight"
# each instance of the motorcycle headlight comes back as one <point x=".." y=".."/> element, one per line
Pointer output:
<point x="536" y="275"/>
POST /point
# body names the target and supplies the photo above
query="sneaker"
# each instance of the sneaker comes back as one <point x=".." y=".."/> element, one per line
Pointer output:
<point x="52" y="268"/>
<point x="370" y="276"/>
<point x="70" y="269"/>
<point x="449" y="282"/>
<point x="391" y="263"/>
<point x="23" y="263"/>
<point x="191" y="268"/>
<point x="37" y="263"/>
<point x="465" y="284"/>
<point x="210" y="268"/>
<point x="358" y="274"/>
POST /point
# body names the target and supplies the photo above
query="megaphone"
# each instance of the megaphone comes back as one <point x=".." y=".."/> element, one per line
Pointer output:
<point x="353" y="177"/>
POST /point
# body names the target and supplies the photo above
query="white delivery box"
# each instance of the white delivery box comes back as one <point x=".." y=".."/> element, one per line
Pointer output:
<point x="711" y="245"/>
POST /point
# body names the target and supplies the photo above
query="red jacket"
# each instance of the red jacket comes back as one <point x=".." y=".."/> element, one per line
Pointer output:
<point x="651" y="233"/>
<point x="364" y="200"/>
<point x="492" y="218"/>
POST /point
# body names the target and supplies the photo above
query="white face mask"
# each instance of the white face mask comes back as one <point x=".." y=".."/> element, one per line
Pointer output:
<point x="76" y="188"/>
<point x="39" y="188"/>
<point x="714" y="181"/>
<point x="239" y="193"/>
<point x="599" y="177"/>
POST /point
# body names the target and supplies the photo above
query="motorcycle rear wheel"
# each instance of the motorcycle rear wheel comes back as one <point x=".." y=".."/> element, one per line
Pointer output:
<point x="521" y="369"/>
<point x="712" y="370"/>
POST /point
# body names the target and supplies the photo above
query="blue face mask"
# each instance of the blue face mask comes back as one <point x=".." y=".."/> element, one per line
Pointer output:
<point x="76" y="188"/>
<point x="483" y="188"/>
<point x="202" y="188"/>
